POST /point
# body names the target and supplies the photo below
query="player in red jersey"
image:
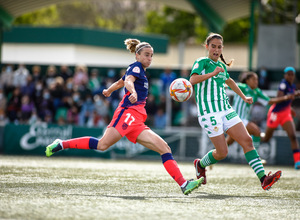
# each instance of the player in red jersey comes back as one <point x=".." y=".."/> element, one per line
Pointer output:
<point x="281" y="114"/>
<point x="129" y="118"/>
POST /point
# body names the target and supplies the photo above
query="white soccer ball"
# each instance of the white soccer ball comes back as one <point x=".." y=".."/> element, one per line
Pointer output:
<point x="181" y="90"/>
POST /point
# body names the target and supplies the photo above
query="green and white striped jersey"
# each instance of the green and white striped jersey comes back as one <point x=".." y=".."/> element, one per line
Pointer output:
<point x="242" y="108"/>
<point x="210" y="94"/>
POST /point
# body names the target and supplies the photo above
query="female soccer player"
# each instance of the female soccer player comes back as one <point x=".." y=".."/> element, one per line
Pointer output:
<point x="249" y="86"/>
<point x="216" y="116"/>
<point x="129" y="118"/>
<point x="281" y="114"/>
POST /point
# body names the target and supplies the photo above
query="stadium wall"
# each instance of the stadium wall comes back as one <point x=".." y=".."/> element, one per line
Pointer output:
<point x="186" y="144"/>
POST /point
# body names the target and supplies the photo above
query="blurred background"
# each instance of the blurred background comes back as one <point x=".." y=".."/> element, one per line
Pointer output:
<point x="57" y="56"/>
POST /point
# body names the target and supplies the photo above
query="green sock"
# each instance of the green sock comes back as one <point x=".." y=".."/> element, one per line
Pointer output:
<point x="208" y="159"/>
<point x="256" y="141"/>
<point x="255" y="163"/>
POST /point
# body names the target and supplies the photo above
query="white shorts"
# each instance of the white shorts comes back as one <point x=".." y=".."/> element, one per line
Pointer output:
<point x="217" y="123"/>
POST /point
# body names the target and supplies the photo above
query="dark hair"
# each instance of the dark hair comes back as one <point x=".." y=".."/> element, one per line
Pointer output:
<point x="135" y="46"/>
<point x="247" y="75"/>
<point x="217" y="36"/>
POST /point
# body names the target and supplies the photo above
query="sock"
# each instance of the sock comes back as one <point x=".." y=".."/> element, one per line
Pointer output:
<point x="256" y="141"/>
<point x="208" y="159"/>
<point x="253" y="160"/>
<point x="296" y="155"/>
<point x="81" y="143"/>
<point x="172" y="168"/>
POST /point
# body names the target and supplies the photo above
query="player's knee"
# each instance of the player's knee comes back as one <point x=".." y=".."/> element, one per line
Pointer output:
<point x="166" y="148"/>
<point x="163" y="147"/>
<point x="221" y="154"/>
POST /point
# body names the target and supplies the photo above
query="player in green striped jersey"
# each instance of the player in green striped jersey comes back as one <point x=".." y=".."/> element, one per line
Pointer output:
<point x="216" y="116"/>
<point x="249" y="86"/>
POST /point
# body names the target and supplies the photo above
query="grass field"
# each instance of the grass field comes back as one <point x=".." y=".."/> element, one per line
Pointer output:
<point x="83" y="188"/>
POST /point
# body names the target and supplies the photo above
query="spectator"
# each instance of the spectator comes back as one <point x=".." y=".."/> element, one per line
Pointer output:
<point x="2" y="100"/>
<point x="101" y="111"/>
<point x="166" y="78"/>
<point x="56" y="89"/>
<point x="3" y="119"/>
<point x="73" y="115"/>
<point x="36" y="74"/>
<point x="50" y="75"/>
<point x="29" y="87"/>
<point x="20" y="76"/>
<point x="65" y="72"/>
<point x="160" y="119"/>
<point x="151" y="108"/>
<point x="27" y="107"/>
<point x="81" y="76"/>
<point x="6" y="79"/>
<point x="45" y="107"/>
<point x="263" y="78"/>
<point x="94" y="81"/>
<point x="14" y="106"/>
<point x="87" y="112"/>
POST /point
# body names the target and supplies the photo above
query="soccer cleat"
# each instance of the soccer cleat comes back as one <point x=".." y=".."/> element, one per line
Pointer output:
<point x="297" y="165"/>
<point x="191" y="185"/>
<point x="200" y="172"/>
<point x="49" y="149"/>
<point x="270" y="179"/>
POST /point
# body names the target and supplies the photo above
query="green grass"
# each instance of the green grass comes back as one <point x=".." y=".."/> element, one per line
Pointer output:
<point x="83" y="188"/>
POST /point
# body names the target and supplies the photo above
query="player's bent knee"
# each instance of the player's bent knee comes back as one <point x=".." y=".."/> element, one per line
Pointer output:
<point x="221" y="154"/>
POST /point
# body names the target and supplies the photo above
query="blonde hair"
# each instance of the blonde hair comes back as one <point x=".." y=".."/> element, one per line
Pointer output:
<point x="218" y="36"/>
<point x="135" y="46"/>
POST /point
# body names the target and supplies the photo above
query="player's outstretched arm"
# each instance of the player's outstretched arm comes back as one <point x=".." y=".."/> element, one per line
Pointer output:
<point x="231" y="83"/>
<point x="115" y="86"/>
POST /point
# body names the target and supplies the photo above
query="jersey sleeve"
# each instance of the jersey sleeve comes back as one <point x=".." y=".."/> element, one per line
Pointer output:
<point x="282" y="86"/>
<point x="136" y="70"/>
<point x="198" y="67"/>
<point x="262" y="98"/>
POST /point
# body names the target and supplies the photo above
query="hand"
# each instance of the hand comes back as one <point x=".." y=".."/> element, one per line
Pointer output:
<point x="248" y="100"/>
<point x="106" y="93"/>
<point x="290" y="96"/>
<point x="133" y="97"/>
<point x="218" y="70"/>
<point x="297" y="93"/>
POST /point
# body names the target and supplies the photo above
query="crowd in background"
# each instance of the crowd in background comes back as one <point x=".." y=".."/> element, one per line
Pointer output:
<point x="60" y="95"/>
<point x="64" y="96"/>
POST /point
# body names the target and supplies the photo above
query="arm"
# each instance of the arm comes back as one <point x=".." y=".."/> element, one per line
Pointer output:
<point x="195" y="78"/>
<point x="129" y="84"/>
<point x="280" y="98"/>
<point x="115" y="86"/>
<point x="230" y="82"/>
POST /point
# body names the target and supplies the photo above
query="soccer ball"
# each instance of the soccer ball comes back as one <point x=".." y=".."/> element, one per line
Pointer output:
<point x="181" y="90"/>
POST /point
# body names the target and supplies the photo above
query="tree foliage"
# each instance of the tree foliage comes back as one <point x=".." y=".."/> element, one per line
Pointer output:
<point x="178" y="25"/>
<point x="146" y="16"/>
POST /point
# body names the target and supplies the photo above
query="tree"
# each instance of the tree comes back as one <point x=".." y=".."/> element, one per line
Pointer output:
<point x="178" y="25"/>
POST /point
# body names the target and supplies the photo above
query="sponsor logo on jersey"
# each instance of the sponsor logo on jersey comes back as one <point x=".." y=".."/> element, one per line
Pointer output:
<point x="136" y="69"/>
<point x="196" y="66"/>
<point x="146" y="85"/>
<point x="282" y="86"/>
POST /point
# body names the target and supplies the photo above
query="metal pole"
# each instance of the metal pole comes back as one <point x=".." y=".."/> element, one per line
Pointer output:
<point x="251" y="33"/>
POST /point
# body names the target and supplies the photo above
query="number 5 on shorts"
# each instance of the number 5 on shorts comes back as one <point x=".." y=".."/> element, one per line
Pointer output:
<point x="213" y="120"/>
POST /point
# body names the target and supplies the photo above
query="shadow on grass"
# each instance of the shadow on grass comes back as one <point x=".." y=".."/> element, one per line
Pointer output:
<point x="204" y="195"/>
